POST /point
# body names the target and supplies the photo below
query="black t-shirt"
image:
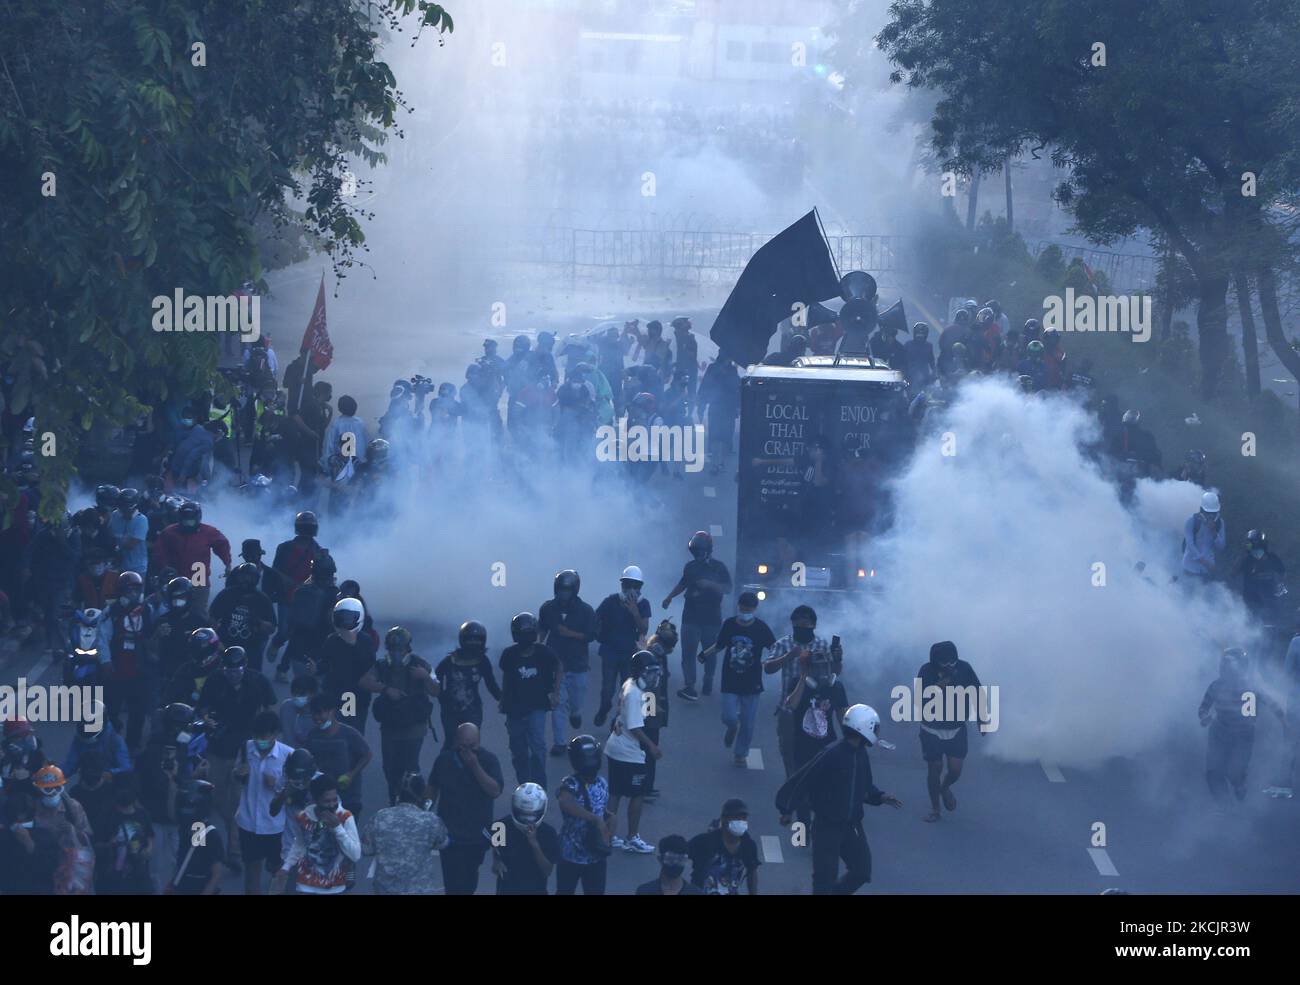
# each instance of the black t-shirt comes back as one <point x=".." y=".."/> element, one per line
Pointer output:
<point x="655" y="888"/>
<point x="460" y="697"/>
<point x="522" y="877"/>
<point x="462" y="804"/>
<point x="814" y="718"/>
<point x="341" y="665"/>
<point x="963" y="676"/>
<point x="717" y="871"/>
<point x="234" y="708"/>
<point x="528" y="678"/>
<point x="741" y="646"/>
<point x="195" y="875"/>
<point x="578" y="616"/>
<point x="237" y="614"/>
<point x="703" y="608"/>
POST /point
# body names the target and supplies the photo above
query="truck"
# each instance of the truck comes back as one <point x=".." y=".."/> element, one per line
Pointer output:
<point x="819" y="441"/>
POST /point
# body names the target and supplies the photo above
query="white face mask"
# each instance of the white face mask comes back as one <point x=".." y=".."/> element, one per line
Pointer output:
<point x="52" y="799"/>
<point x="737" y="828"/>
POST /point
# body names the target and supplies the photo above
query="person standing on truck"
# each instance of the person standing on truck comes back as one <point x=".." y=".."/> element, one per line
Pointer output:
<point x="720" y="404"/>
<point x="705" y="580"/>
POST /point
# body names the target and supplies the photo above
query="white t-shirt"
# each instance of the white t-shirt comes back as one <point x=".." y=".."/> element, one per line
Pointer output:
<point x="620" y="745"/>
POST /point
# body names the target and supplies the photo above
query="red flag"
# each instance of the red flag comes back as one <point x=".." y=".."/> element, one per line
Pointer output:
<point x="316" y="339"/>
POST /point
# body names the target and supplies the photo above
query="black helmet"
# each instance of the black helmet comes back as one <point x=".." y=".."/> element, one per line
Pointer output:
<point x="179" y="590"/>
<point x="179" y="717"/>
<point x="193" y="799"/>
<point x="920" y="330"/>
<point x="128" y="499"/>
<point x="234" y="658"/>
<point x="130" y="583"/>
<point x="106" y="496"/>
<point x="1256" y="539"/>
<point x="646" y="670"/>
<point x="299" y="768"/>
<point x="305" y="523"/>
<point x="245" y="576"/>
<point x="584" y="754"/>
<point x="523" y="628"/>
<point x="377" y="451"/>
<point x="190" y="514"/>
<point x="205" y="647"/>
<point x="567" y="581"/>
<point x="472" y="634"/>
<point x="701" y="544"/>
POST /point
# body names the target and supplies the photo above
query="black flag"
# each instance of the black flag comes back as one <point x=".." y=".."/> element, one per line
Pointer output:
<point x="793" y="266"/>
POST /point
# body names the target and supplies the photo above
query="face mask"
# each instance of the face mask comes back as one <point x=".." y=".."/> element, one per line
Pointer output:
<point x="187" y="423"/>
<point x="563" y="596"/>
<point x="324" y="726"/>
<point x="737" y="828"/>
<point x="632" y="594"/>
<point x="26" y="824"/>
<point x="300" y="701"/>
<point x="179" y="603"/>
<point x="745" y="617"/>
<point x="263" y="745"/>
<point x="52" y="799"/>
<point x="803" y="634"/>
<point x="673" y="871"/>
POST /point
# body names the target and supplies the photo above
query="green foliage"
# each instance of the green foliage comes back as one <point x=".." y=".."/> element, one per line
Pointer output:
<point x="170" y="174"/>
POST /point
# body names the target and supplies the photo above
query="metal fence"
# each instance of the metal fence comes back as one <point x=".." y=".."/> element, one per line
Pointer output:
<point x="681" y="257"/>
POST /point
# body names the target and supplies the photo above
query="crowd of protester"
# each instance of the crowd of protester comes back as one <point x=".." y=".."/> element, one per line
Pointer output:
<point x="235" y="736"/>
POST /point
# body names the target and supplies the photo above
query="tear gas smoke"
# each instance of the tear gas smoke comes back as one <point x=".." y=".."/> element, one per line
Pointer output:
<point x="995" y="548"/>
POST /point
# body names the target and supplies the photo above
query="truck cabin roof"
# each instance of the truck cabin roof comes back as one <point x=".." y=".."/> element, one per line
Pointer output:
<point x="849" y="369"/>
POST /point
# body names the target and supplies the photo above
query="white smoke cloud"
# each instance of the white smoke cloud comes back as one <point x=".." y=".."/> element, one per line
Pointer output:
<point x="994" y="548"/>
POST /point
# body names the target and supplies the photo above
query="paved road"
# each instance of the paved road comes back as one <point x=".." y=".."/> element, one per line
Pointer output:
<point x="1019" y="828"/>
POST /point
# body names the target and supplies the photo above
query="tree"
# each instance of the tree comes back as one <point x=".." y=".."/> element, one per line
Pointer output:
<point x="148" y="146"/>
<point x="1152" y="136"/>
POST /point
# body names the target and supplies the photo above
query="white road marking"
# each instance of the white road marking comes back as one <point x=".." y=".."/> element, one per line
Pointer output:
<point x="1053" y="772"/>
<point x="373" y="863"/>
<point x="710" y="492"/>
<point x="1102" y="861"/>
<point x="715" y="529"/>
<point x="40" y="668"/>
<point x="772" y="849"/>
<point x="755" y="759"/>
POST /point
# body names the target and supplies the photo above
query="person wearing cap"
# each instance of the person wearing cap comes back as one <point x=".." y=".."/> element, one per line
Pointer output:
<point x="945" y="738"/>
<point x="835" y="785"/>
<point x="622" y="620"/>
<point x="673" y="858"/>
<point x="1204" y="539"/>
<point x="725" y="857"/>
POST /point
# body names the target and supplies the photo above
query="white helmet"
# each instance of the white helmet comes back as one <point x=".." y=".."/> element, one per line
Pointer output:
<point x="528" y="804"/>
<point x="348" y="614"/>
<point x="863" y="720"/>
<point x="1210" y="502"/>
<point x="632" y="573"/>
